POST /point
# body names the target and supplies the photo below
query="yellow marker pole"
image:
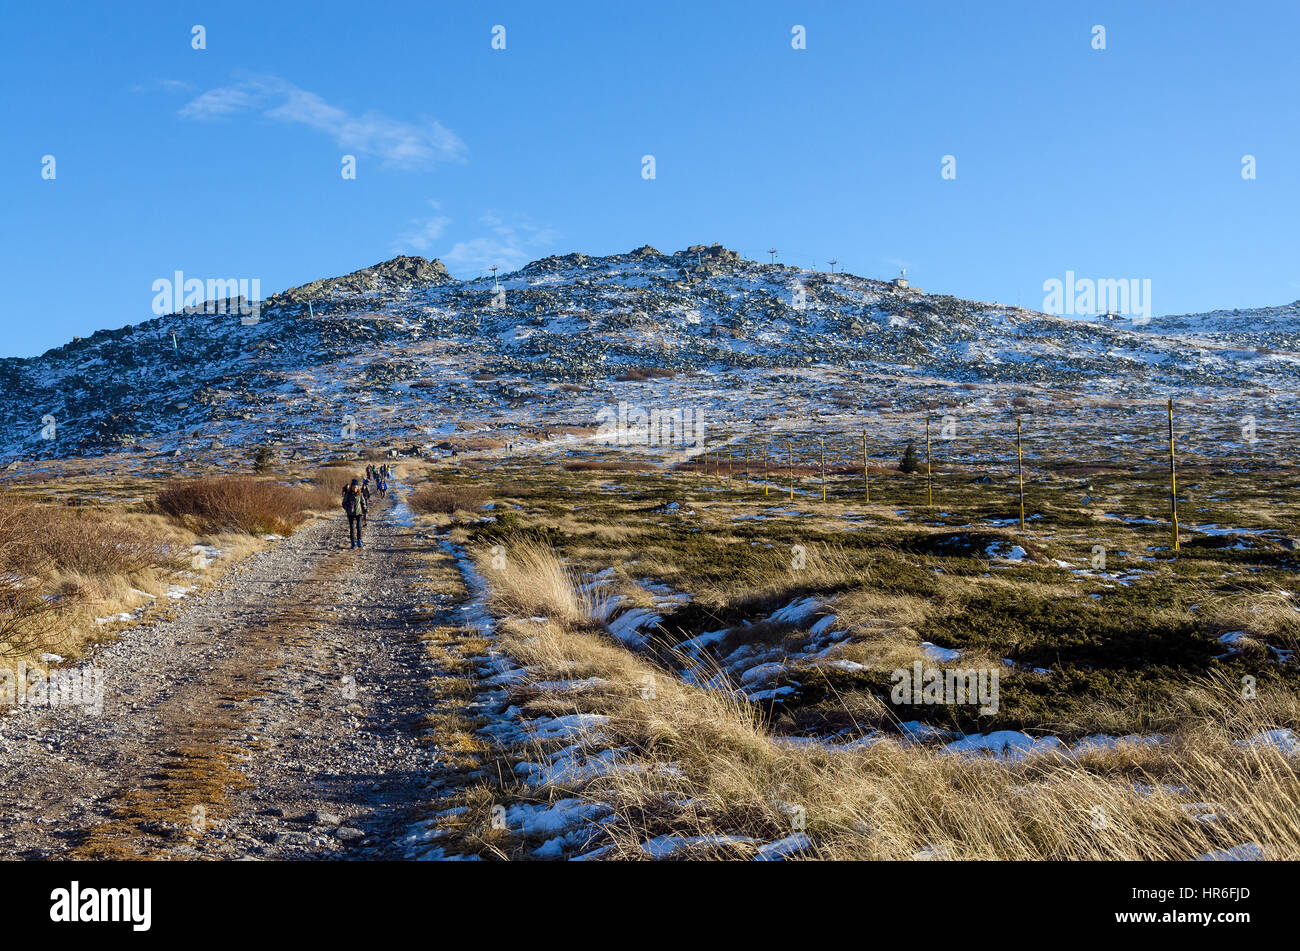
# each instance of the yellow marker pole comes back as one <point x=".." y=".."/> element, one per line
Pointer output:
<point x="790" y="447"/>
<point x="929" y="474"/>
<point x="731" y="469"/>
<point x="767" y="449"/>
<point x="866" y="473"/>
<point x="1173" y="477"/>
<point x="1020" y="474"/>
<point x="821" y="441"/>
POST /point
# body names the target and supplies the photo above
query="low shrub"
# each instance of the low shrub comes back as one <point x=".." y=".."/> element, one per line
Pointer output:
<point x="52" y="560"/>
<point x="40" y="539"/>
<point x="433" y="498"/>
<point x="332" y="479"/>
<point x="240" y="504"/>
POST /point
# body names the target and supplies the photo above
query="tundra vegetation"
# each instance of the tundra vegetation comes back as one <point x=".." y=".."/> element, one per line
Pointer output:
<point x="1159" y="686"/>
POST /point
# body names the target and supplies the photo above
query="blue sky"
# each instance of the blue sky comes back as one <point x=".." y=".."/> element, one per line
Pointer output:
<point x="226" y="162"/>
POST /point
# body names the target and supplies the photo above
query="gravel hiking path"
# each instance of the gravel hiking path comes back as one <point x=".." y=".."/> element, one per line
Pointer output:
<point x="276" y="716"/>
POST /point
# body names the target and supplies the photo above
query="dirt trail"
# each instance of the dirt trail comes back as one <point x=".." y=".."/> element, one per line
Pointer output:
<point x="276" y="716"/>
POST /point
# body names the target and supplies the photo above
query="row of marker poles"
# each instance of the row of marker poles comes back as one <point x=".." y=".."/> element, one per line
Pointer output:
<point x="929" y="469"/>
<point x="716" y="456"/>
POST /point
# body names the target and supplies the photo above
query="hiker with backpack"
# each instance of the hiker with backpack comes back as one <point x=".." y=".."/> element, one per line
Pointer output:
<point x="355" y="507"/>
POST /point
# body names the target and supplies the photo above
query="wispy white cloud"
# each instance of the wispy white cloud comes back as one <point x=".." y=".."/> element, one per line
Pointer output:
<point x="168" y="85"/>
<point x="424" y="232"/>
<point x="396" y="142"/>
<point x="510" y="246"/>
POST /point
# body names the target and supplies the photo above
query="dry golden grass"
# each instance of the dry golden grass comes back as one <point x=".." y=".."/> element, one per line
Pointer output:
<point x="1265" y="618"/>
<point x="703" y="763"/>
<point x="60" y="564"/>
<point x="332" y="479"/>
<point x="447" y="498"/>
<point x="64" y="565"/>
<point x="528" y="580"/>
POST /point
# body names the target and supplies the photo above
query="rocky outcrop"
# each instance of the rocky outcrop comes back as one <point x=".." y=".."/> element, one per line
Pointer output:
<point x="401" y="271"/>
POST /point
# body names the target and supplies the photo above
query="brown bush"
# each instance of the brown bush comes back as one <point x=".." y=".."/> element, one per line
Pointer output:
<point x="240" y="504"/>
<point x="21" y="602"/>
<point x="39" y="539"/>
<point x="432" y="497"/>
<point x="332" y="479"/>
<point x="21" y="608"/>
<point x="47" y="552"/>
<point x="91" y="544"/>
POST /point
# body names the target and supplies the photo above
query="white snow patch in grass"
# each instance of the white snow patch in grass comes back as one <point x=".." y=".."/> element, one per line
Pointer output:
<point x="565" y="727"/>
<point x="1284" y="740"/>
<point x="935" y="652"/>
<point x="569" y="686"/>
<point x="627" y="626"/>
<point x="1246" y="852"/>
<point x="1004" y="744"/>
<point x="915" y="731"/>
<point x="548" y="820"/>
<point x="823" y="624"/>
<point x="782" y="848"/>
<point x="664" y="845"/>
<point x="572" y="765"/>
<point x="796" y="611"/>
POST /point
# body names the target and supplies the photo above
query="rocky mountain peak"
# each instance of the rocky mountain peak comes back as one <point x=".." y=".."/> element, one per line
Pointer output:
<point x="399" y="271"/>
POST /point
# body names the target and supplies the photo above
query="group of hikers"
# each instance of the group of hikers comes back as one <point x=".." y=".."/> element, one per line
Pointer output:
<point x="356" y="499"/>
<point x="381" y="475"/>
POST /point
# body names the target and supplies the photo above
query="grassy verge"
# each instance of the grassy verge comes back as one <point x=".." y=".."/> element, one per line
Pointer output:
<point x="701" y="772"/>
<point x="81" y="557"/>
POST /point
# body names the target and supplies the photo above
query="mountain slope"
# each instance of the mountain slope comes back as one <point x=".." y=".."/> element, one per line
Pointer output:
<point x="402" y="354"/>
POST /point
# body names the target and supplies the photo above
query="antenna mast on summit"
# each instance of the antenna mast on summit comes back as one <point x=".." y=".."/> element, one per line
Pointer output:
<point x="772" y="251"/>
<point x="494" y="275"/>
<point x="832" y="263"/>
